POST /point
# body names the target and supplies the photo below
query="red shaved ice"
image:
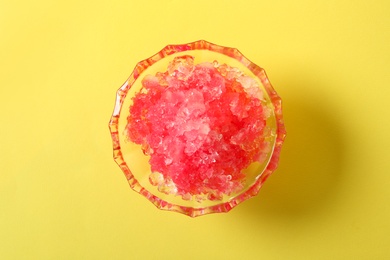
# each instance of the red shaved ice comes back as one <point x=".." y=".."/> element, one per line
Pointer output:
<point x="202" y="125"/>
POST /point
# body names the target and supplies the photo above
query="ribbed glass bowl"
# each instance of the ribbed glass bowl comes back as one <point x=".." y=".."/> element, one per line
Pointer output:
<point x="135" y="163"/>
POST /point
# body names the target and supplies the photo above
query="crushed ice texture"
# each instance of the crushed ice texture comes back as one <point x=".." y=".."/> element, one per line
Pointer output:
<point x="201" y="125"/>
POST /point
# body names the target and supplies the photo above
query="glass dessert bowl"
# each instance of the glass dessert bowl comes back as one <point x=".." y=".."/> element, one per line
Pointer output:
<point x="197" y="128"/>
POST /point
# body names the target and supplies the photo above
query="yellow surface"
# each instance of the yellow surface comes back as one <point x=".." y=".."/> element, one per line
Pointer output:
<point x="63" y="197"/>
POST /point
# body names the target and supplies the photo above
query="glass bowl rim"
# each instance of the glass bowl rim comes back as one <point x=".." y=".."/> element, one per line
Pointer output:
<point x="255" y="69"/>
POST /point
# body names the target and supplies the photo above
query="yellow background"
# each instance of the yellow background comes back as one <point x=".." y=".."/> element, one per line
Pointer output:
<point x="63" y="197"/>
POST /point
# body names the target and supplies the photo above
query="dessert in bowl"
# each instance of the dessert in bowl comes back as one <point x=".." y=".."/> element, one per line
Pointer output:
<point x="197" y="128"/>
